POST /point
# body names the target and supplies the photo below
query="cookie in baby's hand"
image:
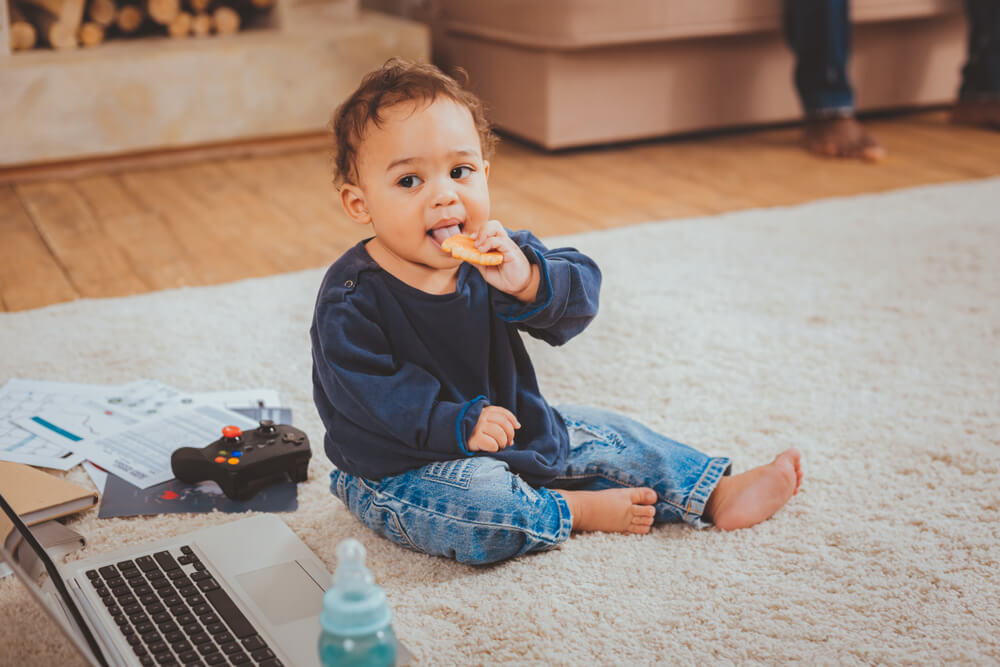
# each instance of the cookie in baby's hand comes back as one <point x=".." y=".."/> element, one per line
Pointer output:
<point x="464" y="248"/>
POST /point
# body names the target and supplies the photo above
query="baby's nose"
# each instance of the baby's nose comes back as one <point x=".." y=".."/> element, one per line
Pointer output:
<point x="445" y="195"/>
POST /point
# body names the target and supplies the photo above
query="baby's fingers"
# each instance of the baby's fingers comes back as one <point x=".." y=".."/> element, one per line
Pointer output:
<point x="497" y="434"/>
<point x="479" y="442"/>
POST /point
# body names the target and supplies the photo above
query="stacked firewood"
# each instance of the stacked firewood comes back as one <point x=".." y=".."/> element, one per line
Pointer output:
<point x="67" y="24"/>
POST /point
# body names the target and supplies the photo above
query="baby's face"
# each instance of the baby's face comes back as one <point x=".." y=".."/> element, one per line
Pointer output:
<point x="422" y="177"/>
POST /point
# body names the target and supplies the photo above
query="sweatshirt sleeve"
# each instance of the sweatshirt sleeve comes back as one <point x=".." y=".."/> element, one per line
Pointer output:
<point x="355" y="367"/>
<point x="568" y="292"/>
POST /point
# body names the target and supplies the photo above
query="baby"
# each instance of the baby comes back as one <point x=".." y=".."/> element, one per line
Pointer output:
<point x="442" y="441"/>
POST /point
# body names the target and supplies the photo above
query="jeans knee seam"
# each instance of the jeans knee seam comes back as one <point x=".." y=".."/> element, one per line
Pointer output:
<point x="463" y="520"/>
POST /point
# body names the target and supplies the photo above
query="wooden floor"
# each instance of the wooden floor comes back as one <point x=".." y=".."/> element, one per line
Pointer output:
<point x="140" y="229"/>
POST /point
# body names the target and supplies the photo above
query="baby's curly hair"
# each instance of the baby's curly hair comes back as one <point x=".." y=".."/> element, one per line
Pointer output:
<point x="397" y="81"/>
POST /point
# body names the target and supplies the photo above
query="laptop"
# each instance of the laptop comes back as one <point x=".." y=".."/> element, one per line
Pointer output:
<point x="248" y="592"/>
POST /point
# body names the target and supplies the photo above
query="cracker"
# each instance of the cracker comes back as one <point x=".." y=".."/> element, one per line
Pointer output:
<point x="464" y="248"/>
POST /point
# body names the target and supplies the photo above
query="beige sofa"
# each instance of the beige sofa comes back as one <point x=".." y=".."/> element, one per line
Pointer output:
<point x="564" y="73"/>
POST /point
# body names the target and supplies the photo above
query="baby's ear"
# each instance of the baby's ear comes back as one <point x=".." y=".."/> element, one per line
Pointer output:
<point x="353" y="201"/>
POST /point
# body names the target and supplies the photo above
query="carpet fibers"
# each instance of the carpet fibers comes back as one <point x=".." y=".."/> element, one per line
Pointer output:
<point x="865" y="331"/>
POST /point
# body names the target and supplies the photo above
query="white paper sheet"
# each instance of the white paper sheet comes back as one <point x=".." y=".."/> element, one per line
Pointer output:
<point x="25" y="398"/>
<point x="141" y="454"/>
<point x="98" y="475"/>
<point x="241" y="398"/>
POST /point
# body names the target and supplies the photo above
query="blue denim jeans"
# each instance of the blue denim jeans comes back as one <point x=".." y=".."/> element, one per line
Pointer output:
<point x="819" y="32"/>
<point x="476" y="510"/>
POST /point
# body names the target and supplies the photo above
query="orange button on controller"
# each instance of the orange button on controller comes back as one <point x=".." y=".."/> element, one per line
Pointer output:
<point x="233" y="461"/>
<point x="220" y="459"/>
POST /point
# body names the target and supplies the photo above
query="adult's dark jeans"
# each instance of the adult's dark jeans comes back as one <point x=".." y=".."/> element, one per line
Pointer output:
<point x="819" y="32"/>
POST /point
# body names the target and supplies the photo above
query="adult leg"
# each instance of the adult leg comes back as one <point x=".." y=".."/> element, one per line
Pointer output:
<point x="979" y="97"/>
<point x="609" y="451"/>
<point x="819" y="33"/>
<point x="473" y="510"/>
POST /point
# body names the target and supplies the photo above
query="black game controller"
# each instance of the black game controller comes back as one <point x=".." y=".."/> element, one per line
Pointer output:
<point x="244" y="462"/>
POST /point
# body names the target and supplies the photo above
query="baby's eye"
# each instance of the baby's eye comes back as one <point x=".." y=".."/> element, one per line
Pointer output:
<point x="410" y="181"/>
<point x="461" y="172"/>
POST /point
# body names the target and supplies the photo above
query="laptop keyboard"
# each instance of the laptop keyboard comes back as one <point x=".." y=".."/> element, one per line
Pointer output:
<point x="173" y="612"/>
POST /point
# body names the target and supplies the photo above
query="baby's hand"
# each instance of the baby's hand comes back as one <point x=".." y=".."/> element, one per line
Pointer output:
<point x="516" y="276"/>
<point x="494" y="430"/>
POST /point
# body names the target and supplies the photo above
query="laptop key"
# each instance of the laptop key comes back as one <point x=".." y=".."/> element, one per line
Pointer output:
<point x="145" y="563"/>
<point x="231" y="647"/>
<point x="239" y="658"/>
<point x="165" y="560"/>
<point x="92" y="574"/>
<point x="223" y="638"/>
<point x="208" y="585"/>
<point x="254" y="643"/>
<point x="215" y="659"/>
<point x="207" y="648"/>
<point x="228" y="610"/>
<point x="262" y="654"/>
<point x="189" y="657"/>
<point x="108" y="571"/>
<point x="158" y="647"/>
<point x="271" y="663"/>
<point x="146" y="660"/>
<point x="181" y="647"/>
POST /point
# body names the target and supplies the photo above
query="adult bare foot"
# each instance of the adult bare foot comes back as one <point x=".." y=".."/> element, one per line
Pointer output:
<point x="612" y="510"/>
<point x="747" y="499"/>
<point x="842" y="137"/>
<point x="984" y="113"/>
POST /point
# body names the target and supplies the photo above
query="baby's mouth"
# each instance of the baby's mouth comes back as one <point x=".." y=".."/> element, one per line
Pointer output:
<point x="439" y="234"/>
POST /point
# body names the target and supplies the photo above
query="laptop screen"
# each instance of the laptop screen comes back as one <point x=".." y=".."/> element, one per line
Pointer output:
<point x="76" y="627"/>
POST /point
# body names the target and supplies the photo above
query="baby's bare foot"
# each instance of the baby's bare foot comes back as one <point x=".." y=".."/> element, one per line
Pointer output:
<point x="612" y="510"/>
<point x="985" y="113"/>
<point x="842" y="137"/>
<point x="746" y="499"/>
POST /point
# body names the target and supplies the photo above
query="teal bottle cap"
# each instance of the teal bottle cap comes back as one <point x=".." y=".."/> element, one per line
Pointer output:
<point x="354" y="605"/>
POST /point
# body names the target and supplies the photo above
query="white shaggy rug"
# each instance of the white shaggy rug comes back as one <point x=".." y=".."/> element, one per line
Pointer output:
<point x="865" y="331"/>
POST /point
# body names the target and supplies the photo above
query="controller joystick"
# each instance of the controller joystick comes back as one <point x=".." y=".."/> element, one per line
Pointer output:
<point x="244" y="462"/>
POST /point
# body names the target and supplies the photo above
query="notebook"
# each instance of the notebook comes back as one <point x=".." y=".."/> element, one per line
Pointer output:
<point x="39" y="496"/>
<point x="248" y="592"/>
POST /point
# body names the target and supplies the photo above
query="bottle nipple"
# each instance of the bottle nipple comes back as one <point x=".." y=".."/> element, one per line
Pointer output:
<point x="354" y="605"/>
<point x="352" y="577"/>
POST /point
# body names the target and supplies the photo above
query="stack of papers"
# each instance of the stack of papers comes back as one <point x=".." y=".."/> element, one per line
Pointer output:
<point x="129" y="430"/>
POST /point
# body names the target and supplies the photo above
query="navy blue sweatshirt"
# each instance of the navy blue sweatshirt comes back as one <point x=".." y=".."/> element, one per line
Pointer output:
<point x="401" y="376"/>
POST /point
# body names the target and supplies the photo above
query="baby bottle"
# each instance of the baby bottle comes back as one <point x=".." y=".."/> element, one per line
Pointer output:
<point x="356" y="619"/>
